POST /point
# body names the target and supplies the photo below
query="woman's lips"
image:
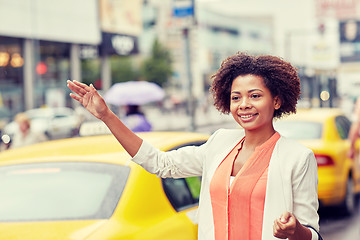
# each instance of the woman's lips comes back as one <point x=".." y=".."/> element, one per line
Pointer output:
<point x="247" y="117"/>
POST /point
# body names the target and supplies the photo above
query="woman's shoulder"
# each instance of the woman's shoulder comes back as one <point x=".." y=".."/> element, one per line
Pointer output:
<point x="293" y="151"/>
<point x="292" y="145"/>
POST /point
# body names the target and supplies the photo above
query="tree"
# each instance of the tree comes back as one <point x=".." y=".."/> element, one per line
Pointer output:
<point x="90" y="69"/>
<point x="157" y="68"/>
<point x="122" y="69"/>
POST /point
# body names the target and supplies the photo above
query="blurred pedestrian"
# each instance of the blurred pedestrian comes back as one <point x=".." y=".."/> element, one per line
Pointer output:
<point x="135" y="119"/>
<point x="256" y="184"/>
<point x="25" y="136"/>
<point x="354" y="132"/>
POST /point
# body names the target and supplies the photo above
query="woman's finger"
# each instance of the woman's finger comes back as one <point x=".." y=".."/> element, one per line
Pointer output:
<point x="77" y="98"/>
<point x="277" y="232"/>
<point x="82" y="85"/>
<point x="76" y="88"/>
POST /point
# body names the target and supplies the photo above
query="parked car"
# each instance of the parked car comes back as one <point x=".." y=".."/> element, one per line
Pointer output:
<point x="325" y="131"/>
<point x="5" y="116"/>
<point x="55" y="123"/>
<point x="86" y="188"/>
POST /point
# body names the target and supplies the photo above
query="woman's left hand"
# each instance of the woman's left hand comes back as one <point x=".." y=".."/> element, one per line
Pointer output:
<point x="285" y="226"/>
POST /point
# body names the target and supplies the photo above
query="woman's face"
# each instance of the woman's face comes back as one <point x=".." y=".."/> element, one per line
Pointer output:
<point x="252" y="105"/>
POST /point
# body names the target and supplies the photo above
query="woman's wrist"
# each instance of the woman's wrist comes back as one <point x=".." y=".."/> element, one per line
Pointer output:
<point x="107" y="115"/>
<point x="301" y="232"/>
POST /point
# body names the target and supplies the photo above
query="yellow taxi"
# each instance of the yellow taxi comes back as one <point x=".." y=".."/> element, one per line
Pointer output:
<point x="87" y="188"/>
<point x="325" y="131"/>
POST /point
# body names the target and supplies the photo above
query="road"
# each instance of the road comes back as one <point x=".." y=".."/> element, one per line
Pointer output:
<point x="335" y="226"/>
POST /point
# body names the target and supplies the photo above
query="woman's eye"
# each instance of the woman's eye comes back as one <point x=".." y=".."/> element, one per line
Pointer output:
<point x="234" y="98"/>
<point x="255" y="95"/>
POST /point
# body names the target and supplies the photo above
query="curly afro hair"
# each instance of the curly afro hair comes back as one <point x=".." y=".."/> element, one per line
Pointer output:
<point x="279" y="76"/>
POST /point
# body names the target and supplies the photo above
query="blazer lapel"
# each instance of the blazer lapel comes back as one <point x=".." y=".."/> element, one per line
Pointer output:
<point x="219" y="157"/>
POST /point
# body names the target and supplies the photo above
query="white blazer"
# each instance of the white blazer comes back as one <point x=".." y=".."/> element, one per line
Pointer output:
<point x="291" y="185"/>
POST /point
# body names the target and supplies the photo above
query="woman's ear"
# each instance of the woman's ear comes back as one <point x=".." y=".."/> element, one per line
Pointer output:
<point x="277" y="103"/>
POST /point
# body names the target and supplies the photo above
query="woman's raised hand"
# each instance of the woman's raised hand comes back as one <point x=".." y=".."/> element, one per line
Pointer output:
<point x="95" y="104"/>
<point x="89" y="98"/>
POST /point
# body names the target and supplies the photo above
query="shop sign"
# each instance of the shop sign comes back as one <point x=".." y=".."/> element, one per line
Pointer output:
<point x="119" y="44"/>
<point x="183" y="8"/>
<point x="121" y="16"/>
<point x="339" y="9"/>
<point x="183" y="13"/>
<point x="89" y="52"/>
<point x="349" y="40"/>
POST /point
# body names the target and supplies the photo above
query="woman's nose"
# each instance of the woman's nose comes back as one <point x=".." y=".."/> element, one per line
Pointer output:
<point x="244" y="103"/>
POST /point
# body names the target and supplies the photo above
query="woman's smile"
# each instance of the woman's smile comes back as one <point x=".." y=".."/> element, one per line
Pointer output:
<point x="252" y="104"/>
<point x="247" y="117"/>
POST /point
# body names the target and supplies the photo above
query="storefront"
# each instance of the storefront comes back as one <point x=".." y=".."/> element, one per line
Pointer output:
<point x="11" y="75"/>
<point x="52" y="68"/>
<point x="40" y="50"/>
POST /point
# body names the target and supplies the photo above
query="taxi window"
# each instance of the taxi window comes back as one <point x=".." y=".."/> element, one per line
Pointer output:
<point x="183" y="193"/>
<point x="60" y="191"/>
<point x="343" y="126"/>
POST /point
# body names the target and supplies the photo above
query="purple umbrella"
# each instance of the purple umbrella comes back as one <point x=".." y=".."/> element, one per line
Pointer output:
<point x="134" y="93"/>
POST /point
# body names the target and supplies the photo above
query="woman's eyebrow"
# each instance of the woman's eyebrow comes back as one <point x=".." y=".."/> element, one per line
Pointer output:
<point x="250" y="91"/>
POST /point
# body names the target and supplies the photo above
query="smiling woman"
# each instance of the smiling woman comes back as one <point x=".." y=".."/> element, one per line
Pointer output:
<point x="252" y="103"/>
<point x="270" y="196"/>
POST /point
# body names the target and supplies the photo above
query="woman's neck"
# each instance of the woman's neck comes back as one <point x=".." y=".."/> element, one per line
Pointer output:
<point x="254" y="139"/>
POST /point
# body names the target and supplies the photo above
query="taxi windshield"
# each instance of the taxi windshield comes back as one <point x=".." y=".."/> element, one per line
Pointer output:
<point x="60" y="191"/>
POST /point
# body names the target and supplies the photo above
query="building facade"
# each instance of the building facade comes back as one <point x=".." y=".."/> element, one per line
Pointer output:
<point x="43" y="43"/>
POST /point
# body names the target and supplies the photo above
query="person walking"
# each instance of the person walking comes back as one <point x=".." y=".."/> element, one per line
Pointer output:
<point x="256" y="184"/>
<point x="354" y="131"/>
<point x="135" y="119"/>
<point x="25" y="135"/>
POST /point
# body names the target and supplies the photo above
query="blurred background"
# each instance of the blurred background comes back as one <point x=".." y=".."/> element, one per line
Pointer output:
<point x="177" y="44"/>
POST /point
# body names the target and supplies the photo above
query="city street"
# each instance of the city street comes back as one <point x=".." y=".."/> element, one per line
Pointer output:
<point x="288" y="68"/>
<point x="335" y="226"/>
<point x="205" y="121"/>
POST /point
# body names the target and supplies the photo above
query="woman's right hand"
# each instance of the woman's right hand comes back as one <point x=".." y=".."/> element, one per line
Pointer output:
<point x="89" y="98"/>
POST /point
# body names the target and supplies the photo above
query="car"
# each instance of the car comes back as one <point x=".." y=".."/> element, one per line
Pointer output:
<point x="5" y="116"/>
<point x="87" y="188"/>
<point x="55" y="123"/>
<point x="325" y="131"/>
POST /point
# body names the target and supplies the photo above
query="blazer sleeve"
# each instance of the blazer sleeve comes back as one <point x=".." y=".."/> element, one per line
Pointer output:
<point x="183" y="162"/>
<point x="304" y="181"/>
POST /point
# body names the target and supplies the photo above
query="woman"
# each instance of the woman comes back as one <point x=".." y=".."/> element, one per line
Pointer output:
<point x="136" y="120"/>
<point x="25" y="136"/>
<point x="255" y="183"/>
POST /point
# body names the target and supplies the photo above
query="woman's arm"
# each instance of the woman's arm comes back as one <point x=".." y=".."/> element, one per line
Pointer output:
<point x="95" y="104"/>
<point x="305" y="203"/>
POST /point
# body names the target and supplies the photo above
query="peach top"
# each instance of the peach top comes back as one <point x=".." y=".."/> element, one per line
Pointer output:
<point x="238" y="209"/>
